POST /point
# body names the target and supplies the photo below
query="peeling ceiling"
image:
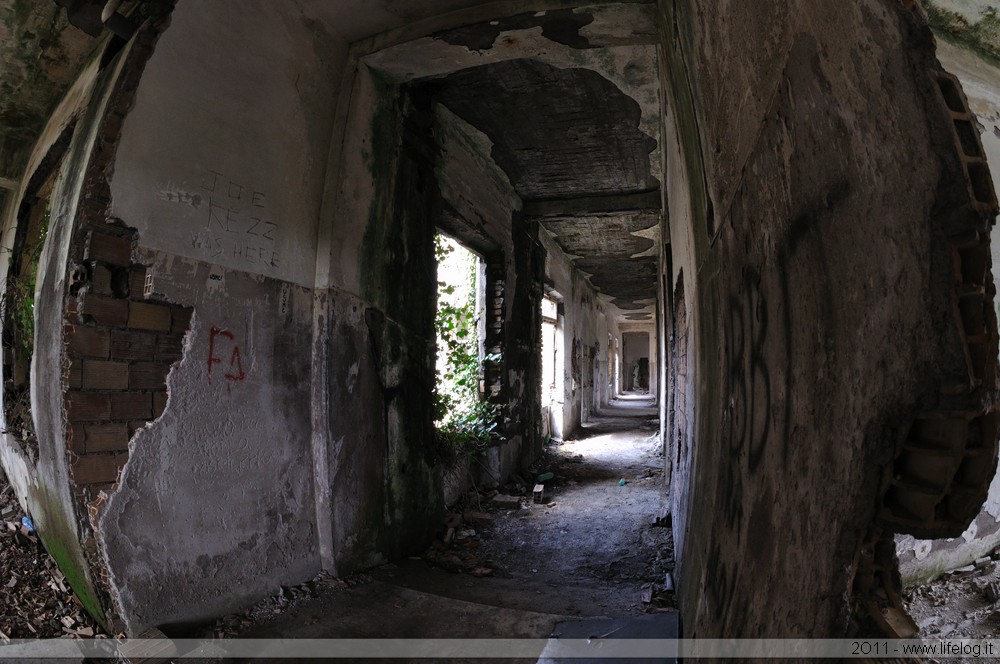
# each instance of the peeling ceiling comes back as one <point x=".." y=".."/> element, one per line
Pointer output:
<point x="569" y="103"/>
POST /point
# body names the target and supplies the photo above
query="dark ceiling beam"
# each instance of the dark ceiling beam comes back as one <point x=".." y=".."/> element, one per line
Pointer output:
<point x="645" y="201"/>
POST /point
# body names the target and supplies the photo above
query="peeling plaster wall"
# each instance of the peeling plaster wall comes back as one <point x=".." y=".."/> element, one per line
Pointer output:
<point x="42" y="485"/>
<point x="922" y="560"/>
<point x="217" y="493"/>
<point x="780" y="465"/>
<point x="220" y="168"/>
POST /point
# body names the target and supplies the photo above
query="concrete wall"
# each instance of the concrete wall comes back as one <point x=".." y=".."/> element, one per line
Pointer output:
<point x="793" y="427"/>
<point x="220" y="170"/>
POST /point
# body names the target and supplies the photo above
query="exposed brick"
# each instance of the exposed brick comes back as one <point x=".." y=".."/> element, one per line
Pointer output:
<point x="96" y="489"/>
<point x="104" y="375"/>
<point x="159" y="403"/>
<point x="109" y="248"/>
<point x="147" y="375"/>
<point x="135" y="425"/>
<point x="72" y="305"/>
<point x="130" y="345"/>
<point x="87" y="406"/>
<point x="98" y="468"/>
<point x="105" y="310"/>
<point x="131" y="406"/>
<point x="75" y="378"/>
<point x="75" y="437"/>
<point x="89" y="341"/>
<point x="110" y="437"/>
<point x="169" y="347"/>
<point x="137" y="283"/>
<point x="101" y="280"/>
<point x="181" y="319"/>
<point x="148" y="316"/>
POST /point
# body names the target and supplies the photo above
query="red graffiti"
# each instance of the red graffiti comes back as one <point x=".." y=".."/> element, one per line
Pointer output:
<point x="234" y="372"/>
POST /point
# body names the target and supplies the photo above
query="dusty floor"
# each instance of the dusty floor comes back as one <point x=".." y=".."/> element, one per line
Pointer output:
<point x="595" y="535"/>
<point x="962" y="604"/>
<point x="591" y="549"/>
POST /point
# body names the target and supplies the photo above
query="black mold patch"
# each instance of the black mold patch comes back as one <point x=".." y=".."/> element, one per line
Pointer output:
<point x="561" y="26"/>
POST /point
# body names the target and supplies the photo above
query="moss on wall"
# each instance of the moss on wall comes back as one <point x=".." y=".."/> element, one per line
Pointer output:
<point x="981" y="36"/>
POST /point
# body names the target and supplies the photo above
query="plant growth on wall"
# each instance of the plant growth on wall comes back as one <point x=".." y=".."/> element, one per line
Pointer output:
<point x="981" y="36"/>
<point x="464" y="423"/>
<point x="19" y="329"/>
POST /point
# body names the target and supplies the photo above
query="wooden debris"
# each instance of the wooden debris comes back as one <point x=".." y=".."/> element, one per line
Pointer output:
<point x="506" y="502"/>
<point x="480" y="519"/>
<point x="35" y="600"/>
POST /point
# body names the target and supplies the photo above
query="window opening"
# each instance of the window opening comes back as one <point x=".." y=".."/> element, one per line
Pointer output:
<point x="465" y="423"/>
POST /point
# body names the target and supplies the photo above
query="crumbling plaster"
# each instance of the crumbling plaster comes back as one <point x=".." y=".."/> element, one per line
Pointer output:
<point x="176" y="538"/>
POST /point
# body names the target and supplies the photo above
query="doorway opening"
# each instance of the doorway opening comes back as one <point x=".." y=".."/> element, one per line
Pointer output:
<point x="635" y="362"/>
<point x="552" y="367"/>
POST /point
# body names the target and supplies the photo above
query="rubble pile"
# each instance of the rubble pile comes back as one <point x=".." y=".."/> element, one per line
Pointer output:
<point x="960" y="604"/>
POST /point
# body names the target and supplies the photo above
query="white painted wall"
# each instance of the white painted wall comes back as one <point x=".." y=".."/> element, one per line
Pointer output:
<point x="223" y="157"/>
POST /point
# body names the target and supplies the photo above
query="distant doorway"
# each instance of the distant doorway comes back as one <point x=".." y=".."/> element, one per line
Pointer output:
<point x="635" y="362"/>
<point x="552" y="368"/>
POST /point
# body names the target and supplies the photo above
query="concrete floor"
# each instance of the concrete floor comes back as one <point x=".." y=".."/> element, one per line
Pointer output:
<point x="588" y="554"/>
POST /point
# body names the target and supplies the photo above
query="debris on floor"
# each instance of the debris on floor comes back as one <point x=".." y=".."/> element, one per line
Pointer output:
<point x="457" y="549"/>
<point x="960" y="604"/>
<point x="285" y="598"/>
<point x="35" y="598"/>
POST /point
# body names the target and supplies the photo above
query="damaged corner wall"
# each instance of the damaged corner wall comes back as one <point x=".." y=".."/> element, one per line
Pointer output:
<point x="421" y="169"/>
<point x="798" y="425"/>
<point x="922" y="560"/>
<point x="215" y="504"/>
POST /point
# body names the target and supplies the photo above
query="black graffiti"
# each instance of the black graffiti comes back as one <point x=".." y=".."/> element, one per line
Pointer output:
<point x="748" y="375"/>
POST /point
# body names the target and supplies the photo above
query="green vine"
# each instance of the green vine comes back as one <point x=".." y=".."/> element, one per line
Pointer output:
<point x="19" y="336"/>
<point x="464" y="423"/>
